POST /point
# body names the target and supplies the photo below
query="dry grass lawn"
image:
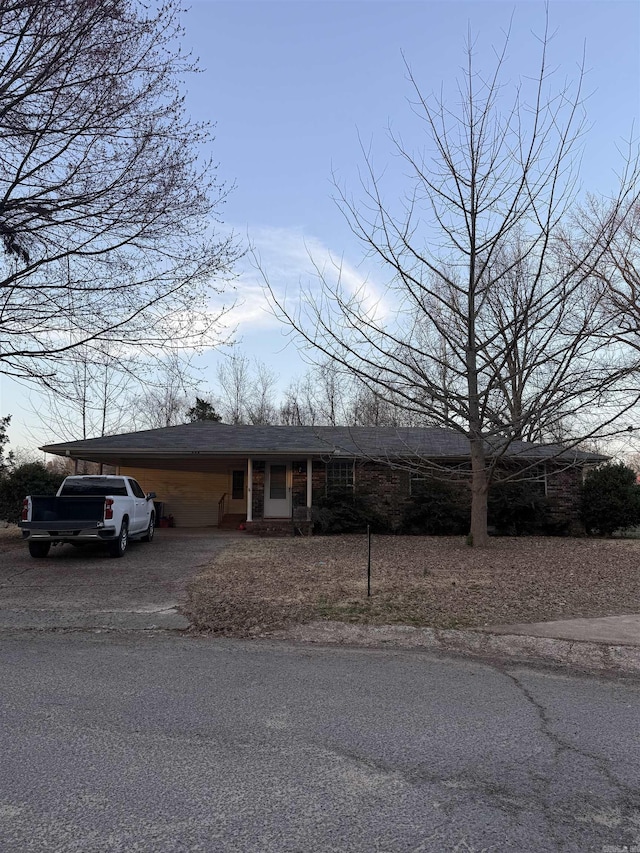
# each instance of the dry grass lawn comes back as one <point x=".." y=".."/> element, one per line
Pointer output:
<point x="257" y="585"/>
<point x="10" y="537"/>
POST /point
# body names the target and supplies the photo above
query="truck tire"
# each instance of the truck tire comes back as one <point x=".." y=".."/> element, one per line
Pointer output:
<point x="119" y="545"/>
<point x="39" y="549"/>
<point x="151" y="529"/>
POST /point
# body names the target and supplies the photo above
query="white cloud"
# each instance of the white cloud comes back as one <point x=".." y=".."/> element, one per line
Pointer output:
<point x="294" y="263"/>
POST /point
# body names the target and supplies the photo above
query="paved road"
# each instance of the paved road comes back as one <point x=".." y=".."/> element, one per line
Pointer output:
<point x="159" y="743"/>
<point x="84" y="587"/>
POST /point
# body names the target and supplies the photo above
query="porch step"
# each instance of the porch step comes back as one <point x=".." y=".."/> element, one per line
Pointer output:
<point x="232" y="520"/>
<point x="279" y="527"/>
<point x="271" y="527"/>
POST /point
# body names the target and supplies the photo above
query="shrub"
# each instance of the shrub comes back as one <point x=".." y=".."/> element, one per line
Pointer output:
<point x="517" y="509"/>
<point x="441" y="508"/>
<point x="610" y="499"/>
<point x="343" y="511"/>
<point x="29" y="479"/>
<point x="437" y="508"/>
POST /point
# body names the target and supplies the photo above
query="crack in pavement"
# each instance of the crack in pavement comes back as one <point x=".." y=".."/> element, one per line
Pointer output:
<point x="9" y="579"/>
<point x="629" y="797"/>
<point x="561" y="745"/>
<point x="420" y="774"/>
<point x="538" y="792"/>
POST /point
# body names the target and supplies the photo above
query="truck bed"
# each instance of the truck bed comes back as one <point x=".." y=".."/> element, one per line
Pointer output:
<point x="64" y="513"/>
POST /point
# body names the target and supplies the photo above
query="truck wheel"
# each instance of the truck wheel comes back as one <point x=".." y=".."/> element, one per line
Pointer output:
<point x="39" y="549"/>
<point x="119" y="546"/>
<point x="151" y="529"/>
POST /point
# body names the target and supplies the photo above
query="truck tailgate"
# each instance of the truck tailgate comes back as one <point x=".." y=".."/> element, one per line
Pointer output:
<point x="65" y="513"/>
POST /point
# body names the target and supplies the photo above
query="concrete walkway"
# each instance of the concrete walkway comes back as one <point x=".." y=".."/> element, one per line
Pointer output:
<point x="611" y="630"/>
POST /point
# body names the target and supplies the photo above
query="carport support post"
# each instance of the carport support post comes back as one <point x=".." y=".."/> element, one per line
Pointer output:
<point x="249" y="489"/>
<point x="309" y="486"/>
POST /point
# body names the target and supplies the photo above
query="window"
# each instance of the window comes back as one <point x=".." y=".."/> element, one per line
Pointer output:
<point x="439" y="484"/>
<point x="136" y="489"/>
<point x="237" y="485"/>
<point x="339" y="475"/>
<point x="536" y="479"/>
<point x="277" y="482"/>
<point x="95" y="487"/>
<point x="531" y="478"/>
<point x="418" y="483"/>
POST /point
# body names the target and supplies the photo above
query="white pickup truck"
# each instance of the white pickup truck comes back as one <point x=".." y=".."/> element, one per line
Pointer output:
<point x="89" y="509"/>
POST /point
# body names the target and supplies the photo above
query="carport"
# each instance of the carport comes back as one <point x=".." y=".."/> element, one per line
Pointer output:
<point x="213" y="475"/>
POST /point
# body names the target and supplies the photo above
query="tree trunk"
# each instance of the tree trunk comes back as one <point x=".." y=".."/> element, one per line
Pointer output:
<point x="478" y="536"/>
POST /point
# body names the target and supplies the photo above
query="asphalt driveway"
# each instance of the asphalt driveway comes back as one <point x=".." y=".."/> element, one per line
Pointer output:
<point x="85" y="588"/>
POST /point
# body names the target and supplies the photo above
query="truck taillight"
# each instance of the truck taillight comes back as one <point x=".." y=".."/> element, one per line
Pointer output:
<point x="108" y="508"/>
<point x="25" y="509"/>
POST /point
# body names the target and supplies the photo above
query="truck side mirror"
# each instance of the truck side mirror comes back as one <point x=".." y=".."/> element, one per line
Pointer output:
<point x="151" y="496"/>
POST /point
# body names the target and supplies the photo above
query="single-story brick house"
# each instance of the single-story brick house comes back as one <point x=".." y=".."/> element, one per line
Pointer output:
<point x="213" y="474"/>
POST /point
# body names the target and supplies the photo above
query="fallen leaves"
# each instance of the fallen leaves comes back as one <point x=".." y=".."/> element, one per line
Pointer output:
<point x="257" y="585"/>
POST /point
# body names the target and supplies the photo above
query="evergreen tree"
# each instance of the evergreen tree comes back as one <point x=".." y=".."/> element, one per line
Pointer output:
<point x="203" y="411"/>
<point x="610" y="499"/>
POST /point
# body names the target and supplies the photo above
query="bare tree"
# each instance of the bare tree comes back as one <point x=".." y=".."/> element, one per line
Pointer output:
<point x="369" y="408"/>
<point x="296" y="407"/>
<point x="620" y="271"/>
<point x="92" y="397"/>
<point x="325" y="395"/>
<point x="498" y="328"/>
<point x="234" y="379"/>
<point x="247" y="391"/>
<point x="261" y="408"/>
<point x="164" y="398"/>
<point x="330" y="393"/>
<point x="107" y="211"/>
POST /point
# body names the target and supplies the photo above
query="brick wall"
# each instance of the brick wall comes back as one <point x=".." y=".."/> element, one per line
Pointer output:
<point x="257" y="503"/>
<point x="563" y="493"/>
<point x="299" y="484"/>
<point x="387" y="488"/>
<point x="319" y="481"/>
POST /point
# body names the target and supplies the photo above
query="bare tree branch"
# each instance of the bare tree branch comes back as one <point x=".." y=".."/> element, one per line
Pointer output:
<point x="108" y="213"/>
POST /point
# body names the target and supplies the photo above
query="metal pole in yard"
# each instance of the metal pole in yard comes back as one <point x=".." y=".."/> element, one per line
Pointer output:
<point x="369" y="561"/>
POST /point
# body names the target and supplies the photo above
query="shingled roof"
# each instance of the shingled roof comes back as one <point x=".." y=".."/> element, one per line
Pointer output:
<point x="209" y="438"/>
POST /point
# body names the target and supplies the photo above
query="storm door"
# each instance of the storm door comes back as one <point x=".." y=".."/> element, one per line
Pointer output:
<point x="277" y="490"/>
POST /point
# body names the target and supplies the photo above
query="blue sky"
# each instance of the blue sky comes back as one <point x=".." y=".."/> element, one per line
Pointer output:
<point x="291" y="86"/>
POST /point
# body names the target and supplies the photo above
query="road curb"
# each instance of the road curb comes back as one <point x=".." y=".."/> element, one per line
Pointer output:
<point x="577" y="654"/>
<point x="143" y="619"/>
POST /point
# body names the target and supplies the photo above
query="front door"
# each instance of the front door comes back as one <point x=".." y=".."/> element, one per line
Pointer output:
<point x="277" y="490"/>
